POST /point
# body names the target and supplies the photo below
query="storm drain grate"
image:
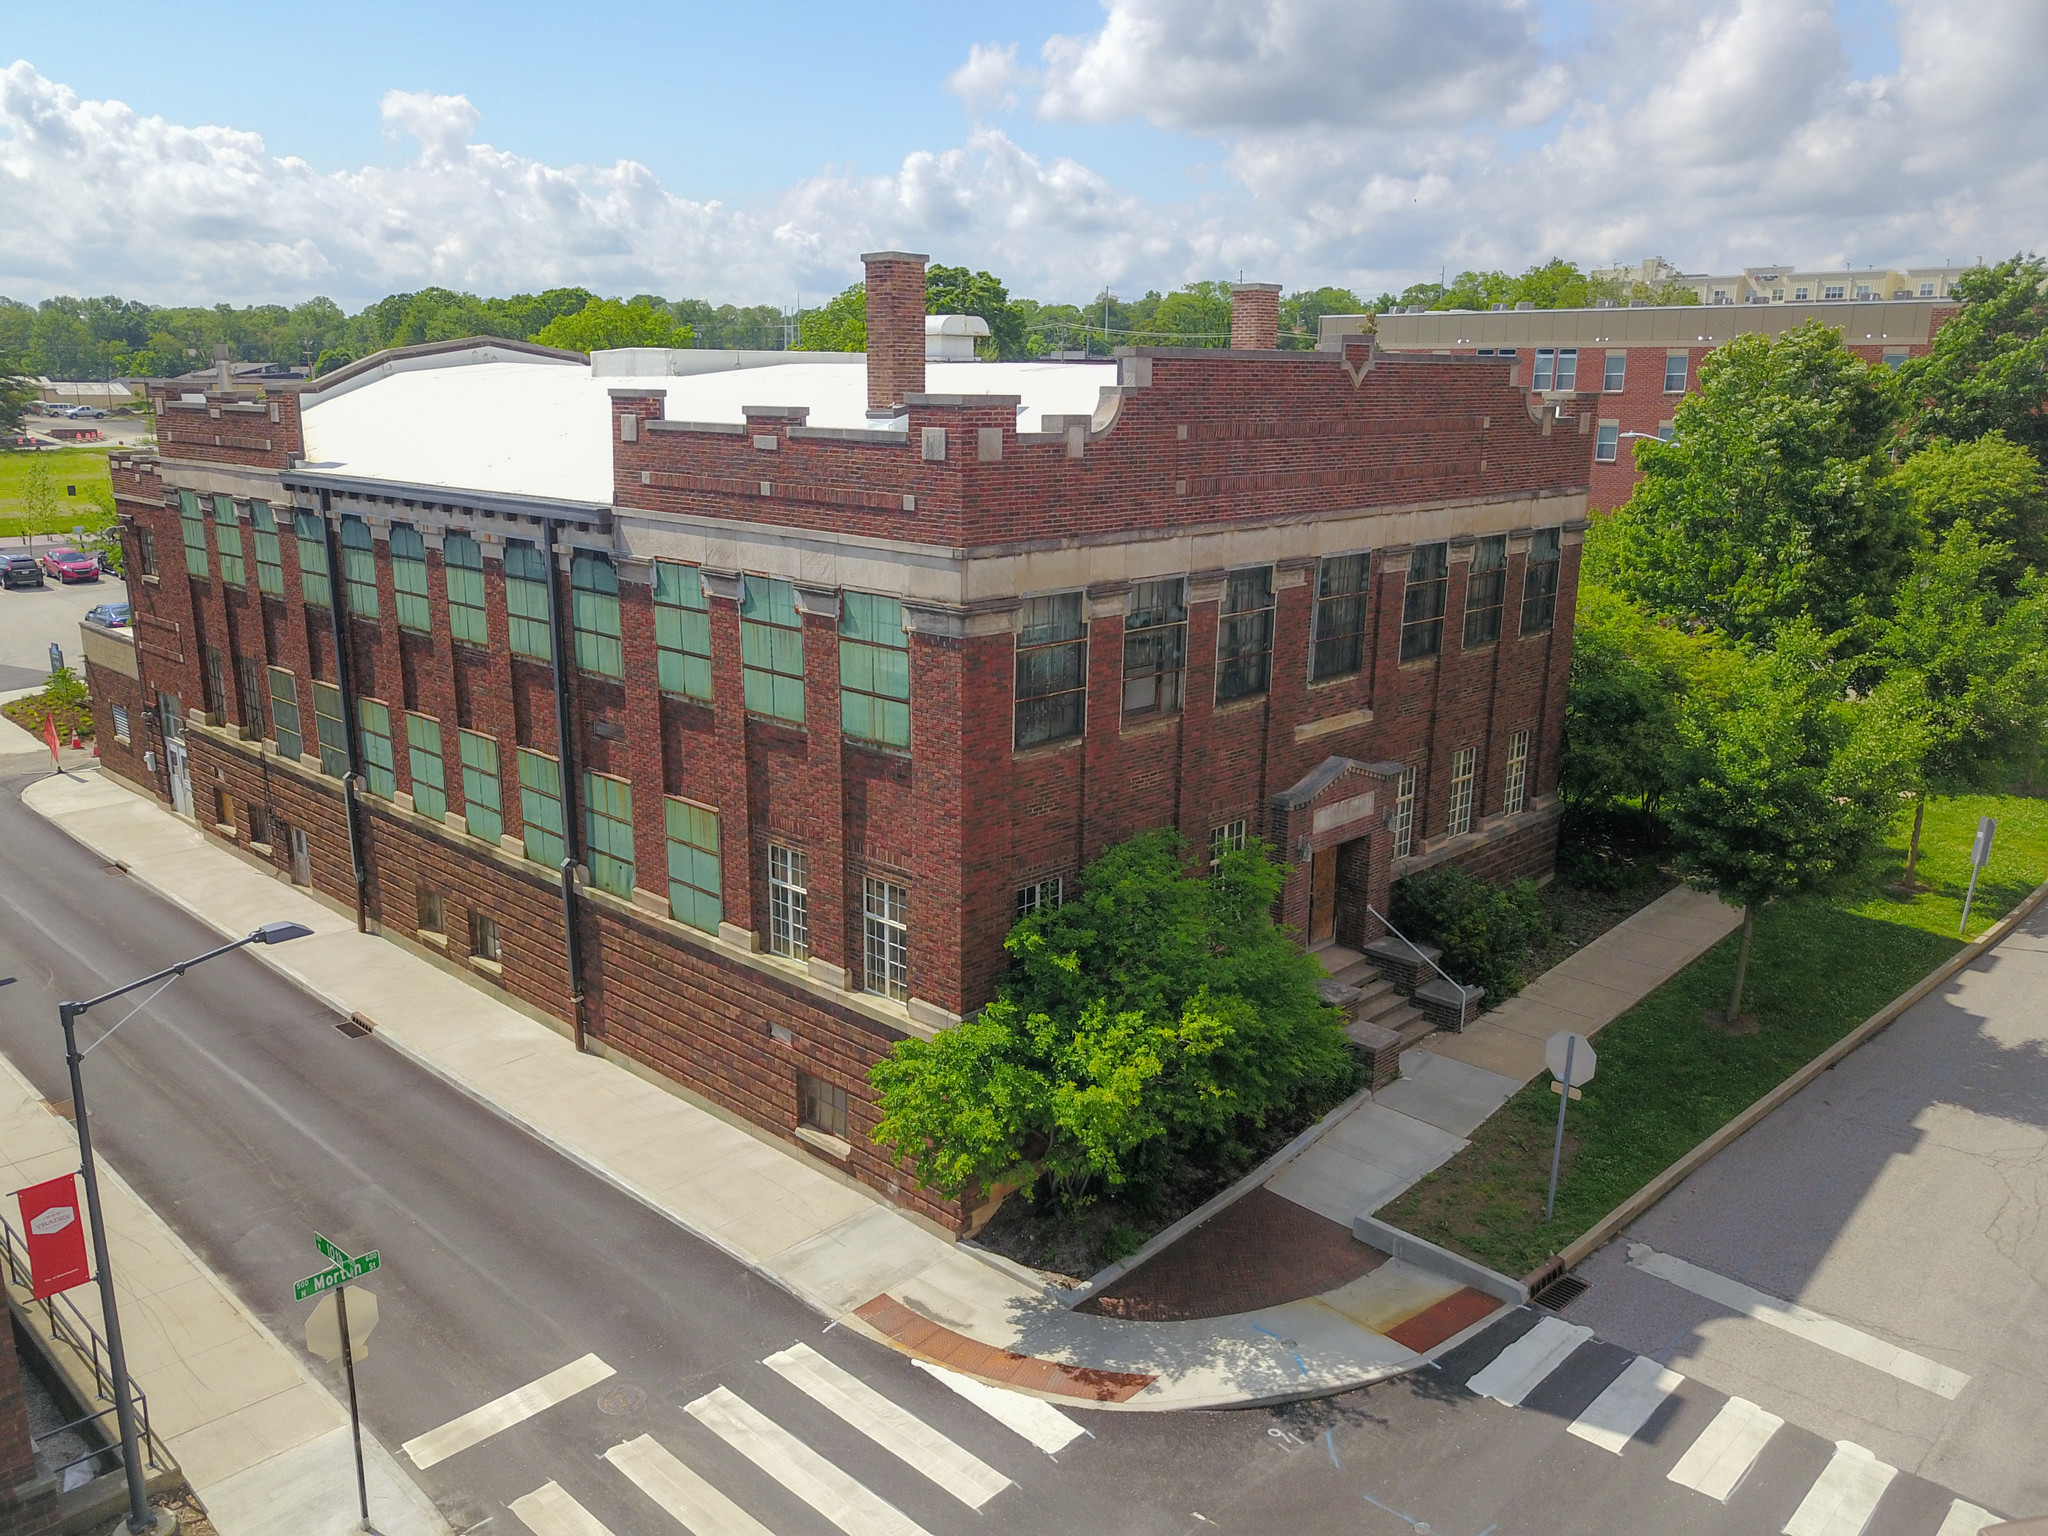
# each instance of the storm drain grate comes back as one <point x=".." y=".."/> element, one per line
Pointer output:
<point x="355" y="1026"/>
<point x="1560" y="1293"/>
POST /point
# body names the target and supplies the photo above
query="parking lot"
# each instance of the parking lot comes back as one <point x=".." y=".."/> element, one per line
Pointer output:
<point x="32" y="617"/>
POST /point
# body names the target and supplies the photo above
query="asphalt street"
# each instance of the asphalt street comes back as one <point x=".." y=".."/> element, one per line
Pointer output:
<point x="32" y="617"/>
<point x="240" y="1111"/>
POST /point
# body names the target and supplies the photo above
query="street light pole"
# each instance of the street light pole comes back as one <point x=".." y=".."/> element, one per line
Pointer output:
<point x="140" y="1520"/>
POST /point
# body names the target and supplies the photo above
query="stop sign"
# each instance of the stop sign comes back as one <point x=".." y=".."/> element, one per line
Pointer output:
<point x="1583" y="1058"/>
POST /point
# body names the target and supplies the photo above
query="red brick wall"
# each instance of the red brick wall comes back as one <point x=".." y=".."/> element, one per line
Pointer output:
<point x="28" y="1500"/>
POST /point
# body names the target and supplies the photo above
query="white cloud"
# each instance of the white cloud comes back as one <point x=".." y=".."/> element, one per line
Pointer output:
<point x="989" y="79"/>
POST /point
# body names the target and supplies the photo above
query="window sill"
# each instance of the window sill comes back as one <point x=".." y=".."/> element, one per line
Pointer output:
<point x="225" y="829"/>
<point x="880" y="748"/>
<point x="1149" y="725"/>
<point x="1335" y="679"/>
<point x="1241" y="704"/>
<point x="495" y="969"/>
<point x="263" y="848"/>
<point x="1046" y="748"/>
<point x="151" y="581"/>
<point x="438" y="940"/>
<point x="1419" y="664"/>
<point x="685" y="698"/>
<point x="832" y="1146"/>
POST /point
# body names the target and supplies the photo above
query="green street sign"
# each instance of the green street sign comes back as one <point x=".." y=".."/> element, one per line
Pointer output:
<point x="343" y="1270"/>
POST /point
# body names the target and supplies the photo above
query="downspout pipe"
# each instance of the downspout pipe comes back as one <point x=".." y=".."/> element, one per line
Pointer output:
<point x="572" y="828"/>
<point x="337" y="589"/>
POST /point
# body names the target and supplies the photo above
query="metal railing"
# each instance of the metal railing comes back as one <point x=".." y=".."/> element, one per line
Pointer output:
<point x="1416" y="950"/>
<point x="70" y="1327"/>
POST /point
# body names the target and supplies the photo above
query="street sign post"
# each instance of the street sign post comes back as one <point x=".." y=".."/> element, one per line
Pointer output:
<point x="1571" y="1059"/>
<point x="1980" y="855"/>
<point x="342" y="1268"/>
<point x="323" y="1324"/>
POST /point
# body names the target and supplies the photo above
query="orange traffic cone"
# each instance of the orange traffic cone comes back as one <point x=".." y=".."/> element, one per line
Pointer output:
<point x="75" y="742"/>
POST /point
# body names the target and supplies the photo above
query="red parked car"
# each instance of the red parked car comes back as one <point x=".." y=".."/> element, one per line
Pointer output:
<point x="69" y="565"/>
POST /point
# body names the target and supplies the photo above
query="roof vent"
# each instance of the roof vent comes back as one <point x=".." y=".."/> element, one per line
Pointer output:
<point x="1525" y="304"/>
<point x="951" y="338"/>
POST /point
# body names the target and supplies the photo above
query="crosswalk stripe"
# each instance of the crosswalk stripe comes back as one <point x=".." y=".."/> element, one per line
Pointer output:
<point x="1612" y="1419"/>
<point x="479" y="1424"/>
<point x="655" y="1470"/>
<point x="1515" y="1372"/>
<point x="1716" y="1463"/>
<point x="549" y="1511"/>
<point x="1032" y="1417"/>
<point x="828" y="1490"/>
<point x="1965" y="1520"/>
<point x="894" y="1428"/>
<point x="1843" y="1498"/>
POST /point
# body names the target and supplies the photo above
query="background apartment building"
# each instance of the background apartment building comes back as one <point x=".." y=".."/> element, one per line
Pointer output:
<point x="726" y="709"/>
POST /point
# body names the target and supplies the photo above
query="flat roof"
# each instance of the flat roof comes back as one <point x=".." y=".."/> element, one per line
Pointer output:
<point x="1907" y="321"/>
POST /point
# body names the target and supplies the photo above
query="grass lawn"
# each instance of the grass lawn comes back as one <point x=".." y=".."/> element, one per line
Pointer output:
<point x="85" y="468"/>
<point x="1668" y="1078"/>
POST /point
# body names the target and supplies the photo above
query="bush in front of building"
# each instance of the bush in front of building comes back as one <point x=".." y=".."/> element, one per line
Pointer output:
<point x="1159" y="1016"/>
<point x="1483" y="929"/>
<point x="65" y="697"/>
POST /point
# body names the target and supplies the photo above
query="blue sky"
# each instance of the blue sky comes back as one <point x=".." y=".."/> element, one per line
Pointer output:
<point x="751" y="152"/>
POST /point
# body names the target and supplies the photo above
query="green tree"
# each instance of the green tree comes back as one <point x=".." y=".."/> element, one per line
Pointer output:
<point x="1988" y="367"/>
<point x="1195" y="316"/>
<point x="1990" y="482"/>
<point x="1787" y="783"/>
<point x="1301" y="314"/>
<point x="1775" y="499"/>
<point x="1158" y="1015"/>
<point x="604" y="323"/>
<point x="957" y="291"/>
<point x="17" y="390"/>
<point x="839" y="325"/>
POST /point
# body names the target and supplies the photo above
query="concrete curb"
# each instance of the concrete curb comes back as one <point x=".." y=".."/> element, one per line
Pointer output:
<point x="1424" y="1254"/>
<point x="1603" y="1231"/>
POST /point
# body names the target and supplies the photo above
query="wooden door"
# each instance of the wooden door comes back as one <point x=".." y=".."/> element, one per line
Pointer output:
<point x="1322" y="898"/>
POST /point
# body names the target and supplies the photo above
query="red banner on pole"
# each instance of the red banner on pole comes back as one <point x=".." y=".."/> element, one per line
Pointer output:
<point x="50" y="736"/>
<point x="51" y="1217"/>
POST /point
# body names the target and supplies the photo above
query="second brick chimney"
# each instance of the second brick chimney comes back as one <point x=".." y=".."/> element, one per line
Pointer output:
<point x="895" y="329"/>
<point x="1254" y="316"/>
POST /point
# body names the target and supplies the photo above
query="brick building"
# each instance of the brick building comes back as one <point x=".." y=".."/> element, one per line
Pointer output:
<point x="725" y="709"/>
<point x="1630" y="365"/>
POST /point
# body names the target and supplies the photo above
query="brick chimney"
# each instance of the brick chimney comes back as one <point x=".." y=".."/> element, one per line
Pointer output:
<point x="1255" y="316"/>
<point x="895" y="329"/>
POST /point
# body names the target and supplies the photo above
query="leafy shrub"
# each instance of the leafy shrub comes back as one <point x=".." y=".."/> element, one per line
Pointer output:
<point x="1483" y="929"/>
<point x="1615" y="849"/>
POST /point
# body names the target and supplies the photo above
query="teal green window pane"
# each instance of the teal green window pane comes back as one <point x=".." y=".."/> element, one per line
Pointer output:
<point x="526" y="601"/>
<point x="359" y="568"/>
<point x="195" y="534"/>
<point x="874" y="670"/>
<point x="284" y="713"/>
<point x="540" y="807"/>
<point x="772" y="650"/>
<point x="682" y="631"/>
<point x="227" y="532"/>
<point x="693" y="870"/>
<point x="332" y="730"/>
<point x="429" y="773"/>
<point x="594" y="614"/>
<point x="409" y="578"/>
<point x="269" y="560"/>
<point x="462" y="561"/>
<point x="482" y="810"/>
<point x="314" y="580"/>
<point x="609" y="804"/>
<point x="380" y="773"/>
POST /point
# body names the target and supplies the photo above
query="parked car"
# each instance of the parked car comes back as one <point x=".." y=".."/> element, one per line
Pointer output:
<point x="20" y="571"/>
<point x="113" y="615"/>
<point x="87" y="413"/>
<point x="68" y="565"/>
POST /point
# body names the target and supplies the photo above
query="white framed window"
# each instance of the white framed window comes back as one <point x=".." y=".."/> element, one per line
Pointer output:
<point x="1833" y="291"/>
<point x="120" y="722"/>
<point x="1556" y="368"/>
<point x="1228" y="838"/>
<point x="1927" y="290"/>
<point x="1040" y="896"/>
<point x="1607" y="442"/>
<point x="1464" y="768"/>
<point x="885" y="924"/>
<point x="1675" y="371"/>
<point x="1802" y="293"/>
<point x="821" y="1107"/>
<point x="789" y="903"/>
<point x="1615" y="376"/>
<point x="1404" y="813"/>
<point x="1516" y="794"/>
<point x="1666" y="430"/>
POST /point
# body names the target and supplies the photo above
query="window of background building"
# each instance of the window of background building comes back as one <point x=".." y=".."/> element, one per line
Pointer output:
<point x="821" y="1107"/>
<point x="1039" y="896"/>
<point x="1486" y="587"/>
<point x="259" y="826"/>
<point x="874" y="670"/>
<point x="359" y="568"/>
<point x="284" y="714"/>
<point x="682" y="631"/>
<point x="1464" y="770"/>
<point x="1666" y="430"/>
<point x="1155" y="647"/>
<point x="1340" y="615"/>
<point x="1515" y="795"/>
<point x="1422" y="602"/>
<point x="380" y="775"/>
<point x="1801" y="293"/>
<point x="1402" y="823"/>
<point x="1927" y="290"/>
<point x="1556" y="368"/>
<point x="694" y="886"/>
<point x="540" y="807"/>
<point x="1894" y="359"/>
<point x="1227" y="838"/>
<point x="1539" y="581"/>
<point x="330" y="730"/>
<point x="409" y="579"/>
<point x="1244" y="634"/>
<point x="1607" y="442"/>
<point x="121" y="722"/>
<point x="462" y="564"/>
<point x="251" y="689"/>
<point x="195" y="534"/>
<point x="316" y="586"/>
<point x="423" y="760"/>
<point x="483" y="937"/>
<point x="1615" y="378"/>
<point x="432" y="908"/>
<point x="227" y="533"/>
<point x="1052" y="669"/>
<point x="789" y="902"/>
<point x="269" y="559"/>
<point x="526" y="601"/>
<point x="145" y="550"/>
<point x="608" y="806"/>
<point x="594" y="614"/>
<point x="772" y="650"/>
<point x="1833" y="291"/>
<point x="482" y="809"/>
<point x="212" y="685"/>
<point x="885" y="927"/>
<point x="1674" y="373"/>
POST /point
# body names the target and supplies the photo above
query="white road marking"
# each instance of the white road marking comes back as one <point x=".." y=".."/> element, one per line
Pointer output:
<point x="548" y="1511"/>
<point x="1852" y="1343"/>
<point x="479" y="1424"/>
<point x="1716" y="1463"/>
<point x="1625" y="1407"/>
<point x="894" y="1428"/>
<point x="1843" y="1498"/>
<point x="1514" y="1373"/>
<point x="1965" y="1520"/>
<point x="828" y="1490"/>
<point x="702" y="1509"/>
<point x="1032" y="1417"/>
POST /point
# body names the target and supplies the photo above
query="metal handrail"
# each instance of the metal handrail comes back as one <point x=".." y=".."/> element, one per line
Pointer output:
<point x="1417" y="948"/>
<point x="71" y="1327"/>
